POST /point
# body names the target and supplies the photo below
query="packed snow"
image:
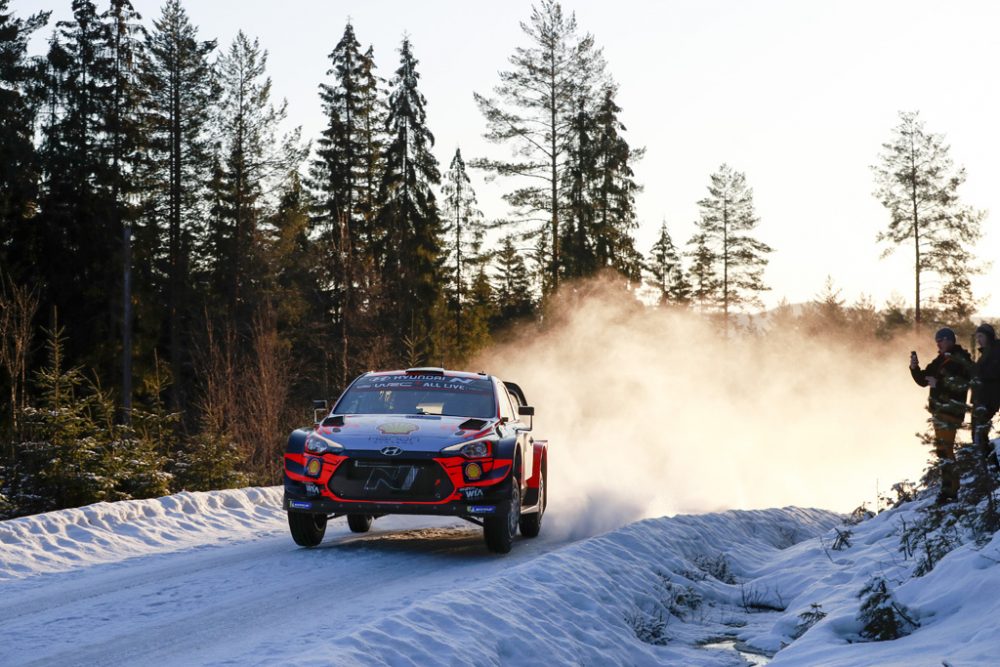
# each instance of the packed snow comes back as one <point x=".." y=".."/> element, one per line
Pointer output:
<point x="213" y="578"/>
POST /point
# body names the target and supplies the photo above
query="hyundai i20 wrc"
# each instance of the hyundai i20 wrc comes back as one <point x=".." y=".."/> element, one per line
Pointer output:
<point x="420" y="441"/>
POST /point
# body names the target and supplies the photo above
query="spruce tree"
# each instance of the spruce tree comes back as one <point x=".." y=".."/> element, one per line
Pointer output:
<point x="464" y="230"/>
<point x="19" y="160"/>
<point x="75" y="228"/>
<point x="614" y="191"/>
<point x="664" y="265"/>
<point x="512" y="284"/>
<point x="705" y="283"/>
<point x="534" y="109"/>
<point x="409" y="213"/>
<point x="252" y="163"/>
<point x="725" y="243"/>
<point x="917" y="182"/>
<point x="179" y="90"/>
<point x="345" y="177"/>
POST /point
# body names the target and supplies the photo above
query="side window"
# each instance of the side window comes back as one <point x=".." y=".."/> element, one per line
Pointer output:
<point x="504" y="400"/>
<point x="513" y="405"/>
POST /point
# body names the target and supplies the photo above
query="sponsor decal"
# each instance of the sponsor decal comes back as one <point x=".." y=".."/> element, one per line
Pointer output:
<point x="300" y="505"/>
<point x="397" y="428"/>
<point x="473" y="471"/>
<point x="472" y="492"/>
<point x="482" y="509"/>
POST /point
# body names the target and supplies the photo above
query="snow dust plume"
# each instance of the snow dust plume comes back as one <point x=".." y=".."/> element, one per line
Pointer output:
<point x="651" y="412"/>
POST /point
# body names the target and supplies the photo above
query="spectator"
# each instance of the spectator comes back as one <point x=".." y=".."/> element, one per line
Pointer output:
<point x="986" y="390"/>
<point x="948" y="377"/>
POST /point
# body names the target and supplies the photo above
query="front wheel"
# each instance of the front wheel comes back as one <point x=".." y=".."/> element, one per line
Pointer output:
<point x="359" y="523"/>
<point x="500" y="530"/>
<point x="307" y="529"/>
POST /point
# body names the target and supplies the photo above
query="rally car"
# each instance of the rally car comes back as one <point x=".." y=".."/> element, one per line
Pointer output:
<point x="419" y="441"/>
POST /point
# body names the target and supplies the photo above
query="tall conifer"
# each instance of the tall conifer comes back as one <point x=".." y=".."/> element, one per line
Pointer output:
<point x="179" y="91"/>
<point x="409" y="213"/>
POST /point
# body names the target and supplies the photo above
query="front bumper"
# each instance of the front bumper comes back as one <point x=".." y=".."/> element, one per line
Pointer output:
<point x="332" y="492"/>
<point x="485" y="506"/>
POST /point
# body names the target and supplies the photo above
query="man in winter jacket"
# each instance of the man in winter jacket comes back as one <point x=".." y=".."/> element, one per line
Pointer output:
<point x="948" y="377"/>
<point x="985" y="389"/>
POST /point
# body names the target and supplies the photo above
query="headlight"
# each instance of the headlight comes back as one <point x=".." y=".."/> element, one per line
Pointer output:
<point x="477" y="449"/>
<point x="317" y="444"/>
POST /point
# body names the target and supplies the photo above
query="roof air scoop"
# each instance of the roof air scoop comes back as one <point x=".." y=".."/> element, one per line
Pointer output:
<point x="428" y="370"/>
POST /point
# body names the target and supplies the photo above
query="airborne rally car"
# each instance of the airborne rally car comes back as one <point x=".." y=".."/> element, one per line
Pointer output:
<point x="420" y="441"/>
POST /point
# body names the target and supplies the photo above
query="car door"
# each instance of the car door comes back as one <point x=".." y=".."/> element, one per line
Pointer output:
<point x="523" y="437"/>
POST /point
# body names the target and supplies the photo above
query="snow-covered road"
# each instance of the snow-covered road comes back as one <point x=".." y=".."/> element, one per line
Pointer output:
<point x="238" y="599"/>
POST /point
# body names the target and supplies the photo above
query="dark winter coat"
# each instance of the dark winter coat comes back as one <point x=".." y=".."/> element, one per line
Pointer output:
<point x="986" y="386"/>
<point x="953" y="372"/>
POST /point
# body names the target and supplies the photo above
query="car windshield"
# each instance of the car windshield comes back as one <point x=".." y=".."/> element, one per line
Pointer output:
<point x="419" y="395"/>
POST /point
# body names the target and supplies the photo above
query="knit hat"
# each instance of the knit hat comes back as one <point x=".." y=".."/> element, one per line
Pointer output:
<point x="945" y="333"/>
<point x="987" y="329"/>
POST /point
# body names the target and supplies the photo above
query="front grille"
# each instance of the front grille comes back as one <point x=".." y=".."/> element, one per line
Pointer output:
<point x="412" y="480"/>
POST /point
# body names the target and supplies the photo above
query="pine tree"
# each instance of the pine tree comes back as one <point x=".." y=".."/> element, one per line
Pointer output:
<point x="916" y="181"/>
<point x="537" y="101"/>
<point x="409" y="213"/>
<point x="614" y="191"/>
<point x="725" y="243"/>
<point x="253" y="162"/>
<point x="464" y="229"/>
<point x="345" y="177"/>
<point x="705" y="283"/>
<point x="179" y="90"/>
<point x="664" y="265"/>
<point x="76" y="229"/>
<point x="826" y="315"/>
<point x="19" y="160"/>
<point x="512" y="285"/>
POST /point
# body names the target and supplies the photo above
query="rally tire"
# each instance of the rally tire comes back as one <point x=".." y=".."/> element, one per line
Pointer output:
<point x="307" y="529"/>
<point x="531" y="524"/>
<point x="499" y="530"/>
<point x="359" y="523"/>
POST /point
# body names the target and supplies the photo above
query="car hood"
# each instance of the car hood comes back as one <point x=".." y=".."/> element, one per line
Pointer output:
<point x="413" y="433"/>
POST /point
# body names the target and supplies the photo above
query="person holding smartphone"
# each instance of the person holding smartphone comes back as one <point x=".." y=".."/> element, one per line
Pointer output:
<point x="948" y="377"/>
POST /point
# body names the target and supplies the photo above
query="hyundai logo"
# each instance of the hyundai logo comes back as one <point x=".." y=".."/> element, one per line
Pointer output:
<point x="391" y="451"/>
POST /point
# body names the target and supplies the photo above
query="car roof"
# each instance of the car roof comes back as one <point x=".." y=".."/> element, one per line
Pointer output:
<point x="432" y="371"/>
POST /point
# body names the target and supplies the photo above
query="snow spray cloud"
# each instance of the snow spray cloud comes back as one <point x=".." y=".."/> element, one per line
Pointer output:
<point x="651" y="412"/>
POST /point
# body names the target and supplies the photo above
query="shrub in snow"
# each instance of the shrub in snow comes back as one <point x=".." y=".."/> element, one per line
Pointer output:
<point x="716" y="566"/>
<point x="809" y="618"/>
<point x="902" y="492"/>
<point x="677" y="599"/>
<point x="859" y="514"/>
<point x="755" y="599"/>
<point x="842" y="541"/>
<point x="648" y="628"/>
<point x="883" y="618"/>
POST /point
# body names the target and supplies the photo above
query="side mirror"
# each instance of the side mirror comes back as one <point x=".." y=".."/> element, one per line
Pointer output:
<point x="527" y="411"/>
<point x="319" y="410"/>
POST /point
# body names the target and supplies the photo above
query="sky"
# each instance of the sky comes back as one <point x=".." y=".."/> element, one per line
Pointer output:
<point x="797" y="95"/>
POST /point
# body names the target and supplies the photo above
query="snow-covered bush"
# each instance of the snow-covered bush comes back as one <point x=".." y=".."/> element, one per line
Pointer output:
<point x="882" y="617"/>
<point x="809" y="618"/>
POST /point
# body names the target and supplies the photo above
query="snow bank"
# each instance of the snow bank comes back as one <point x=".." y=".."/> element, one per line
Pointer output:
<point x="108" y="532"/>
<point x="580" y="604"/>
